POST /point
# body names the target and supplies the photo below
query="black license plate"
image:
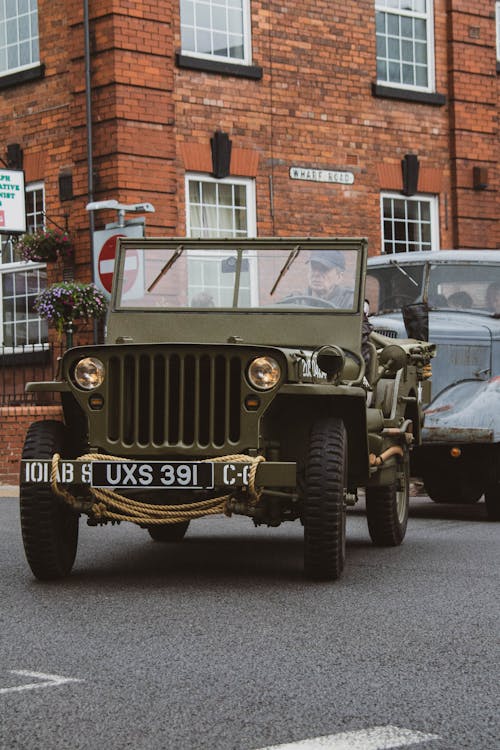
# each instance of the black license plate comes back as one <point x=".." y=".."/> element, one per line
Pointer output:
<point x="175" y="475"/>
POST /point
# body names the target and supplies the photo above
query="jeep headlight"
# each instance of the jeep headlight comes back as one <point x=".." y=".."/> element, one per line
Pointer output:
<point x="89" y="373"/>
<point x="264" y="373"/>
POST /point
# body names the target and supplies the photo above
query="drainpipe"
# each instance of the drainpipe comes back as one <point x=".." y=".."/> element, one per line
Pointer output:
<point x="90" y="160"/>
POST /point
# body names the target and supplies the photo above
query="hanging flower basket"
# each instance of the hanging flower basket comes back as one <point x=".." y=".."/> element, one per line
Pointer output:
<point x="45" y="246"/>
<point x="62" y="303"/>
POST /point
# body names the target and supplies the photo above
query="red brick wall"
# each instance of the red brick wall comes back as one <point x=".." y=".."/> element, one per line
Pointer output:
<point x="474" y="136"/>
<point x="14" y="423"/>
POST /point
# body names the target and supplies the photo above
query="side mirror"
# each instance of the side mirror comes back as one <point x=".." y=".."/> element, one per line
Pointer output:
<point x="416" y="320"/>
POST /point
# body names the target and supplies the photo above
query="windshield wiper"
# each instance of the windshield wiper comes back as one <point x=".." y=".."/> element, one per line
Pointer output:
<point x="168" y="265"/>
<point x="293" y="254"/>
<point x="402" y="270"/>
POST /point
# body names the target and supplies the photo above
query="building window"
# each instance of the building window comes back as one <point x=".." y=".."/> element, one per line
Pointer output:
<point x="409" y="224"/>
<point x="219" y="208"/>
<point x="18" y="35"/>
<point x="405" y="43"/>
<point x="20" y="282"/>
<point x="216" y="29"/>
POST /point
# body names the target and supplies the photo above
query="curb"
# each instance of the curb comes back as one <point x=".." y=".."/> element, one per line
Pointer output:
<point x="9" y="490"/>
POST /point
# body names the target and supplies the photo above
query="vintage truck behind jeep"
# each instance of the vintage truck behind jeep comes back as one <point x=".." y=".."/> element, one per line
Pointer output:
<point x="226" y="386"/>
<point x="459" y="292"/>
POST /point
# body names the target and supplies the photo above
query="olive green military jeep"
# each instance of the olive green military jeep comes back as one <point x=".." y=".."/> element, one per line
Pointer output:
<point x="235" y="379"/>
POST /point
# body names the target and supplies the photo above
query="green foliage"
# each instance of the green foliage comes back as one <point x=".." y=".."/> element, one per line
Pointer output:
<point x="45" y="246"/>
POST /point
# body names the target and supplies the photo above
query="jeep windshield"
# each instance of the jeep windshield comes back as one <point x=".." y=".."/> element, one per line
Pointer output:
<point x="253" y="275"/>
<point x="445" y="286"/>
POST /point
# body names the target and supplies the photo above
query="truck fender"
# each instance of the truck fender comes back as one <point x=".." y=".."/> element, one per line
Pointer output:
<point x="464" y="412"/>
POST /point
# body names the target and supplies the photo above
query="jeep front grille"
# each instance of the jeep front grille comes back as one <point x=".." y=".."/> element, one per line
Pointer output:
<point x="387" y="332"/>
<point x="174" y="399"/>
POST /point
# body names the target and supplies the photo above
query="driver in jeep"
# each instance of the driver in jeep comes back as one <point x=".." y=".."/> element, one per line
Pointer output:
<point x="326" y="274"/>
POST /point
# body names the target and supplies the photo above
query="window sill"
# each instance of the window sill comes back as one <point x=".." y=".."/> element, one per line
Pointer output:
<point x="408" y="95"/>
<point x="22" y="76"/>
<point x="216" y="66"/>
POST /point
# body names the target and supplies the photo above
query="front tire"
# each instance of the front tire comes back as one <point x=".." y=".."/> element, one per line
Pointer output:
<point x="49" y="526"/>
<point x="324" y="513"/>
<point x="387" y="508"/>
<point x="169" y="532"/>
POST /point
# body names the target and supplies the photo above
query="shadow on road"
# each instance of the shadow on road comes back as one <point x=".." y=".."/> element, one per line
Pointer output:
<point x="423" y="507"/>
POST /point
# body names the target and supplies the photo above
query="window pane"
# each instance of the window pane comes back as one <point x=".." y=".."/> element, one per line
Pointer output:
<point x="220" y="44"/>
<point x="214" y="27"/>
<point x="203" y="41"/>
<point x="421" y="76"/>
<point x="226" y="195"/>
<point x="187" y="12"/>
<point x="203" y="15"/>
<point x="235" y="21"/>
<point x="393" y="25"/>
<point x="420" y="29"/>
<point x="408" y="74"/>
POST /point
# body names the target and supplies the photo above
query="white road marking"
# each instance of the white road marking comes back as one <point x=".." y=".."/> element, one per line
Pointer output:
<point x="375" y="738"/>
<point x="48" y="680"/>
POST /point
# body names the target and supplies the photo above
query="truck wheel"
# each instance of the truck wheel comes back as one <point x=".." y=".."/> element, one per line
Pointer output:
<point x="324" y="513"/>
<point x="49" y="527"/>
<point x="169" y="532"/>
<point x="446" y="490"/>
<point x="387" y="508"/>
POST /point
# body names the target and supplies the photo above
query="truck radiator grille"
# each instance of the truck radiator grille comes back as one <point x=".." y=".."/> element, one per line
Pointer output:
<point x="172" y="399"/>
<point x="387" y="332"/>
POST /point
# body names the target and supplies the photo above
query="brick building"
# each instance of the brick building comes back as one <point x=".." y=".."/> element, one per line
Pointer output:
<point x="376" y="118"/>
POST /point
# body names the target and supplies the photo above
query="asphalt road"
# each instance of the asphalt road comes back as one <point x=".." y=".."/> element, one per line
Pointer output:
<point x="219" y="643"/>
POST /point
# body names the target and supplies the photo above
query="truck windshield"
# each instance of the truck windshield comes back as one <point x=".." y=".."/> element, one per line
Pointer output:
<point x="228" y="278"/>
<point x="451" y="286"/>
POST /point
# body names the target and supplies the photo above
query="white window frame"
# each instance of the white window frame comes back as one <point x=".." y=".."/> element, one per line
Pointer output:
<point x="249" y="185"/>
<point x="31" y="18"/>
<point x="246" y="36"/>
<point x="385" y="6"/>
<point x="433" y="202"/>
<point x="18" y="266"/>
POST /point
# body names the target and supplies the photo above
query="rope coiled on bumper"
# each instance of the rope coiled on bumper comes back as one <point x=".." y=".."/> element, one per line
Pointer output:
<point x="108" y="505"/>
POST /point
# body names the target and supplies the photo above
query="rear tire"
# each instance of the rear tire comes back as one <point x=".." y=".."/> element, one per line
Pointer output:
<point x="324" y="513"/>
<point x="169" y="532"/>
<point x="387" y="508"/>
<point x="49" y="526"/>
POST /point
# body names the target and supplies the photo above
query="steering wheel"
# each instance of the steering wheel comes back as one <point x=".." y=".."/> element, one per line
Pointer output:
<point x="397" y="300"/>
<point x="306" y="300"/>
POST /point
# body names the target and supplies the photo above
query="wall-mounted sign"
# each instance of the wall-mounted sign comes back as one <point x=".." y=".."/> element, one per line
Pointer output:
<point x="12" y="201"/>
<point x="321" y="175"/>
